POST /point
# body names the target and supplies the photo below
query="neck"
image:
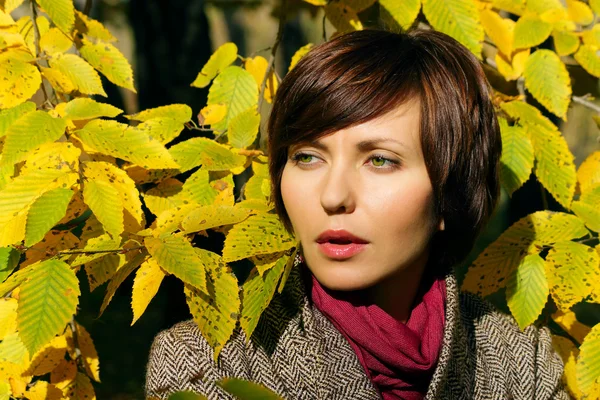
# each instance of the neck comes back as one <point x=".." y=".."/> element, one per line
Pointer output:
<point x="396" y="294"/>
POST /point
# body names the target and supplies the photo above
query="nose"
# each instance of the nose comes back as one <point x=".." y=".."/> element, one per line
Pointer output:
<point x="338" y="191"/>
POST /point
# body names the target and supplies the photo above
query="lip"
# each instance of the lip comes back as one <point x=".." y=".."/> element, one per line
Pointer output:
<point x="340" y="251"/>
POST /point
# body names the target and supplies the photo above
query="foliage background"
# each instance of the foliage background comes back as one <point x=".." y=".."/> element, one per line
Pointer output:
<point x="160" y="38"/>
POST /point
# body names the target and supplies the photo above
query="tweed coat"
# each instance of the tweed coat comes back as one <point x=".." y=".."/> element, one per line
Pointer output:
<point x="297" y="352"/>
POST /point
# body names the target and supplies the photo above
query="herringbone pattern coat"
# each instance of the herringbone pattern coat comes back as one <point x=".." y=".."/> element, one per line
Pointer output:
<point x="299" y="354"/>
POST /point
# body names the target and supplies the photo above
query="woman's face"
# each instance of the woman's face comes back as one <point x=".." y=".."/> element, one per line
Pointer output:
<point x="371" y="181"/>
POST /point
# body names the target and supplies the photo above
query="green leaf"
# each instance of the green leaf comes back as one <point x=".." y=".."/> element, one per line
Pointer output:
<point x="29" y="132"/>
<point x="246" y="390"/>
<point x="587" y="57"/>
<point x="571" y="269"/>
<point x="244" y="128"/>
<point x="216" y="309"/>
<point x="587" y="368"/>
<point x="530" y="31"/>
<point x="494" y="265"/>
<point x="62" y="12"/>
<point x="178" y="257"/>
<point x="13" y="350"/>
<point x="45" y="212"/>
<point x="259" y="234"/>
<point x="165" y="196"/>
<point x="257" y="293"/>
<point x="47" y="301"/>
<point x="170" y="220"/>
<point x="107" y="59"/>
<point x="403" y="13"/>
<point x="9" y="116"/>
<point x="118" y="140"/>
<point x="527" y="290"/>
<point x="516" y="162"/>
<point x="9" y="259"/>
<point x="588" y="208"/>
<point x="223" y="57"/>
<point x="19" y="82"/>
<point x="16" y="279"/>
<point x="457" y="18"/>
<point x="554" y="166"/>
<point x="202" y="218"/>
<point x="206" y="152"/>
<point x="20" y="193"/>
<point x="83" y="108"/>
<point x="237" y="90"/>
<point x="197" y="188"/>
<point x="105" y="202"/>
<point x="78" y="72"/>
<point x="565" y="42"/>
<point x="343" y="17"/>
<point x="162" y="129"/>
<point x="179" y="112"/>
<point x="547" y="79"/>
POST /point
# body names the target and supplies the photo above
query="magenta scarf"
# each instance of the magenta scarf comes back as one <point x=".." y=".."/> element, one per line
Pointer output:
<point x="399" y="358"/>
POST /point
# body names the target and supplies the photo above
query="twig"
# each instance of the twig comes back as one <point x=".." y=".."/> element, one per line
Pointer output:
<point x="38" y="49"/>
<point x="263" y="85"/>
<point x="88" y="7"/>
<point x="122" y="251"/>
<point x="195" y="127"/>
<point x="324" y="30"/>
<point x="584" y="102"/>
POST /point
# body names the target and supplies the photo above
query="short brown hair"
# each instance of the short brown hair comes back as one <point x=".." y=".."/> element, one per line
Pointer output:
<point x="362" y="75"/>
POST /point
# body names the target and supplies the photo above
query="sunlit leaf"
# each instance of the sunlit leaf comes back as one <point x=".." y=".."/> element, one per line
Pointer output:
<point x="530" y="31"/>
<point x="527" y="290"/>
<point x="19" y="82"/>
<point x="588" y="362"/>
<point x="301" y="52"/>
<point x="547" y="79"/>
<point x="45" y="212"/>
<point x="224" y="56"/>
<point x="79" y="72"/>
<point x="145" y="286"/>
<point x="107" y="59"/>
<point x="179" y="112"/>
<point x="85" y="108"/>
<point x="588" y="58"/>
<point x="244" y="128"/>
<point x="212" y="156"/>
<point x="62" y="12"/>
<point x="517" y="158"/>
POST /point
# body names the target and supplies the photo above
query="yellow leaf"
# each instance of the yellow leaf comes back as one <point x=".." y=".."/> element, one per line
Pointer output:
<point x="568" y="352"/>
<point x="106" y="204"/>
<point x="48" y="357"/>
<point x="591" y="36"/>
<point x="88" y="352"/>
<point x="301" y="52"/>
<point x="342" y="17"/>
<point x="59" y="81"/>
<point x="530" y="31"/>
<point x="213" y="113"/>
<point x="9" y="116"/>
<point x="56" y="155"/>
<point x="579" y="12"/>
<point x="25" y="27"/>
<point x="80" y="388"/>
<point x="53" y="242"/>
<point x="92" y="28"/>
<point x="547" y="79"/>
<point x="244" y="128"/>
<point x="54" y="41"/>
<point x="517" y="158"/>
<point x="62" y="12"/>
<point x="569" y="268"/>
<point x="595" y="5"/>
<point x="359" y="5"/>
<point x="588" y="208"/>
<point x="211" y="155"/>
<point x="85" y="108"/>
<point x="565" y="42"/>
<point x="79" y="72"/>
<point x="19" y="82"/>
<point x="568" y="321"/>
<point x="8" y="317"/>
<point x="514" y="69"/>
<point x="516" y="7"/>
<point x="257" y="66"/>
<point x="402" y="13"/>
<point x="554" y="16"/>
<point x="145" y="286"/>
<point x="499" y="29"/>
<point x="457" y="18"/>
<point x="207" y="217"/>
<point x="588" y="174"/>
<point x="180" y="112"/>
<point x="43" y="391"/>
<point x="63" y="374"/>
<point x="170" y="220"/>
<point x="588" y="58"/>
<point x="137" y="258"/>
<point x="107" y="59"/>
<point x="166" y="195"/>
<point x="5" y="19"/>
<point x="317" y="2"/>
<point x="589" y="359"/>
<point x="542" y="6"/>
<point x="9" y="5"/>
<point x="224" y="56"/>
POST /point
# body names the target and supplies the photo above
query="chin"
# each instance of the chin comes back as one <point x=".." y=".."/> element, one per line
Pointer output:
<point x="342" y="279"/>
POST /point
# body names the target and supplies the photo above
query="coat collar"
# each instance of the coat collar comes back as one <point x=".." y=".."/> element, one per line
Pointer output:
<point x="316" y="328"/>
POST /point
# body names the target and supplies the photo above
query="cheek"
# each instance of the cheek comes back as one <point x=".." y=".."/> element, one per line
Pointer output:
<point x="293" y="196"/>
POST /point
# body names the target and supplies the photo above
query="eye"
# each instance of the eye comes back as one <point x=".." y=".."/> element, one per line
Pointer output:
<point x="303" y="158"/>
<point x="379" y="162"/>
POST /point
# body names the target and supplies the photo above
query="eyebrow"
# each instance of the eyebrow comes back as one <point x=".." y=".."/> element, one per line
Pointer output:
<point x="363" y="145"/>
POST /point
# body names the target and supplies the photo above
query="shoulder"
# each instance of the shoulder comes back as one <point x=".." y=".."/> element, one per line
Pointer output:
<point x="524" y="361"/>
<point x="181" y="359"/>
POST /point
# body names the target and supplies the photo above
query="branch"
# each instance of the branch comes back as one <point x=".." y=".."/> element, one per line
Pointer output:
<point x="88" y="7"/>
<point x="37" y="36"/>
<point x="121" y="251"/>
<point x="585" y="102"/>
<point x="263" y="85"/>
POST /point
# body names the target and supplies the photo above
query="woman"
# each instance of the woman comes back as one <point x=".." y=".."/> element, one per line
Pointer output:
<point x="384" y="150"/>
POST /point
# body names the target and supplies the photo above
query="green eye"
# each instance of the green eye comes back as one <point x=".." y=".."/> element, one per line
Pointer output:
<point x="305" y="158"/>
<point x="378" y="161"/>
